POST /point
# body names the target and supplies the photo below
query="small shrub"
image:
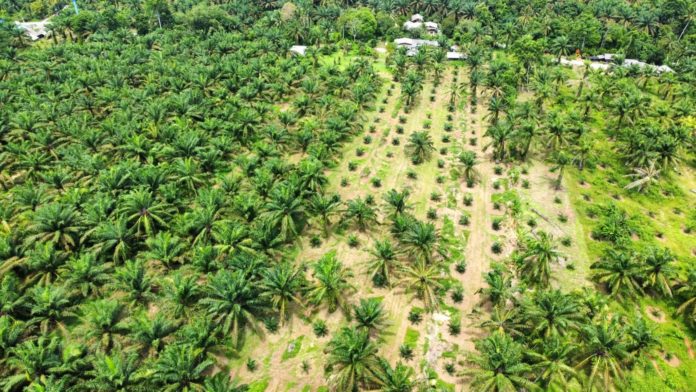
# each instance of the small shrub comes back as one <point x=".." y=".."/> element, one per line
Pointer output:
<point x="455" y="327"/>
<point x="429" y="115"/>
<point x="440" y="179"/>
<point x="563" y="218"/>
<point x="415" y="315"/>
<point x="435" y="196"/>
<point x="372" y="128"/>
<point x="440" y="163"/>
<point x="431" y="214"/>
<point x="472" y="141"/>
<point x="566" y="241"/>
<point x="399" y="129"/>
<point x="320" y="329"/>
<point x="450" y="117"/>
<point x="432" y="98"/>
<point x="352" y="166"/>
<point x="353" y="241"/>
<point x="396" y="141"/>
<point x="464" y="220"/>
<point x="498" y="170"/>
<point x="531" y="222"/>
<point x="496" y="205"/>
<point x="525" y="171"/>
<point x="443" y="151"/>
<point x="359" y="151"/>
<point x="468" y="199"/>
<point x="460" y="267"/>
<point x="382" y="108"/>
<point x="390" y="154"/>
<point x="251" y="364"/>
<point x="376" y="182"/>
<point x="470" y="182"/>
<point x="370" y="200"/>
<point x="271" y="324"/>
<point x="385" y="100"/>
<point x="411" y="174"/>
<point x="570" y="266"/>
<point x="496" y="223"/>
<point x="406" y="352"/>
<point x="449" y="368"/>
<point x="427" y="124"/>
<point x="402" y="119"/>
<point x="557" y="200"/>
<point x="525" y="184"/>
<point x="344" y="182"/>
<point x="496" y="185"/>
<point x="458" y="294"/>
<point x="448" y="127"/>
<point x="497" y="247"/>
<point x="445" y="138"/>
<point x="367" y="139"/>
<point x="315" y="241"/>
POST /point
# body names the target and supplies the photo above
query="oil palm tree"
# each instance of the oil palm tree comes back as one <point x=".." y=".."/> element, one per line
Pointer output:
<point x="114" y="373"/>
<point x="686" y="292"/>
<point x="420" y="241"/>
<point x="425" y="281"/>
<point x="551" y="313"/>
<point x="58" y="224"/>
<point x="370" y="315"/>
<point x="383" y="263"/>
<point x="353" y="360"/>
<point x="604" y="353"/>
<point x="420" y="147"/>
<point x="360" y="213"/>
<point x="233" y="300"/>
<point x="540" y="252"/>
<point x="180" y="367"/>
<point x="144" y="212"/>
<point x="658" y="271"/>
<point x="397" y="201"/>
<point x="324" y="207"/>
<point x="103" y="322"/>
<point x="282" y="286"/>
<point x="620" y="272"/>
<point x="467" y="166"/>
<point x="86" y="275"/>
<point x="499" y="365"/>
<point x="551" y="360"/>
<point x="286" y="210"/>
<point x="331" y="284"/>
<point x="399" y="378"/>
<point x="150" y="332"/>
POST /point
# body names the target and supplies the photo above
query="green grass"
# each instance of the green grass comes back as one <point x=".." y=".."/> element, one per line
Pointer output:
<point x="259" y="385"/>
<point x="296" y="349"/>
<point x="411" y="338"/>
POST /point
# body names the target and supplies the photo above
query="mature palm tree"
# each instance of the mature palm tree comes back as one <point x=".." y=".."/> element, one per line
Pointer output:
<point x="550" y="360"/>
<point x="32" y="361"/>
<point x="424" y="280"/>
<point x="103" y="322"/>
<point x="686" y="291"/>
<point x="331" y="283"/>
<point x="58" y="224"/>
<point x="383" y="263"/>
<point x="499" y="290"/>
<point x="604" y="352"/>
<point x="561" y="46"/>
<point x="49" y="306"/>
<point x="221" y="382"/>
<point x="643" y="177"/>
<point x="115" y="238"/>
<point x="183" y="293"/>
<point x="540" y="252"/>
<point x="370" y="315"/>
<point x="286" y="210"/>
<point x="149" y="333"/>
<point x="620" y="272"/>
<point x="420" y="147"/>
<point x="550" y="313"/>
<point x="134" y="280"/>
<point x="115" y="373"/>
<point x="360" y="213"/>
<point x="420" y="241"/>
<point x="467" y="166"/>
<point x="658" y="271"/>
<point x="233" y="300"/>
<point x="282" y="286"/>
<point x="144" y="212"/>
<point x="499" y="366"/>
<point x="397" y="201"/>
<point x="165" y="249"/>
<point x="324" y="207"/>
<point x="353" y="360"/>
<point x="400" y="378"/>
<point x="560" y="160"/>
<point x="180" y="367"/>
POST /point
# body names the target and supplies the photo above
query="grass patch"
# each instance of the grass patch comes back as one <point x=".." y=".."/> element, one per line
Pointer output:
<point x="411" y="338"/>
<point x="259" y="385"/>
<point x="296" y="346"/>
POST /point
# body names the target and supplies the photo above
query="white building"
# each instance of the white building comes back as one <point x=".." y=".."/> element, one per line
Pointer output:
<point x="417" y="22"/>
<point x="455" y="56"/>
<point x="298" y="49"/>
<point x="35" y="30"/>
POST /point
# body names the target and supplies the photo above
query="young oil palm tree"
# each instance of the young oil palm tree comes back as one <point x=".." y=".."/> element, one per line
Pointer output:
<point x="550" y="313"/>
<point x="150" y="333"/>
<point x="551" y="360"/>
<point x="360" y="213"/>
<point x="620" y="272"/>
<point x="420" y="147"/>
<point x="370" y="315"/>
<point x="115" y="373"/>
<point x="400" y="378"/>
<point x="467" y="166"/>
<point x="604" y="353"/>
<point x="103" y="322"/>
<point x="658" y="271"/>
<point x="420" y="240"/>
<point x="397" y="201"/>
<point x="324" y="207"/>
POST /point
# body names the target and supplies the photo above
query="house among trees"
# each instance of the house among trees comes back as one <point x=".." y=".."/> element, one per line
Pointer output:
<point x="300" y="50"/>
<point x="412" y="44"/>
<point x="417" y="22"/>
<point x="35" y="30"/>
<point x="455" y="56"/>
